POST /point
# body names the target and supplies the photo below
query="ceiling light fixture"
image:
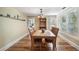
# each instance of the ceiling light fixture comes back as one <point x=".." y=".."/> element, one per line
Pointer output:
<point x="41" y="14"/>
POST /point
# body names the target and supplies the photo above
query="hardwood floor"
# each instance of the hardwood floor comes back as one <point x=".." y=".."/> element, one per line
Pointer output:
<point x="25" y="45"/>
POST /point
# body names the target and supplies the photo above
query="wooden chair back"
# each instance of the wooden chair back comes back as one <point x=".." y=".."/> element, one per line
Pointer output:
<point x="30" y="33"/>
<point x="55" y="30"/>
<point x="34" y="41"/>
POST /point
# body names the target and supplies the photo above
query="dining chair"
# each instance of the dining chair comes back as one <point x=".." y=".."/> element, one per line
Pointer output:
<point x="35" y="42"/>
<point x="53" y="40"/>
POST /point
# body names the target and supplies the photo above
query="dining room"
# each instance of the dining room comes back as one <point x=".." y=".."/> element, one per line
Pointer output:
<point x="39" y="28"/>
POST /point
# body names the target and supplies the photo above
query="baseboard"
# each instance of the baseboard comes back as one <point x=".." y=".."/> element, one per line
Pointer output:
<point x="70" y="42"/>
<point x="72" y="36"/>
<point x="12" y="43"/>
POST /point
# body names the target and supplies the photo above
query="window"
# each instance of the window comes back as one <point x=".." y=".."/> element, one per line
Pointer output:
<point x="51" y="20"/>
<point x="30" y="22"/>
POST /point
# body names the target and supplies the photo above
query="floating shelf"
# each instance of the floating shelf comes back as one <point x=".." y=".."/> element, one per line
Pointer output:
<point x="8" y="16"/>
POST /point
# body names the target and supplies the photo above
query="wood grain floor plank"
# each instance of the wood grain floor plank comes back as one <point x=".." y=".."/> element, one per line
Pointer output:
<point x="25" y="45"/>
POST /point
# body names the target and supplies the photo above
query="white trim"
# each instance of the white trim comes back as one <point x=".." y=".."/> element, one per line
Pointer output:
<point x="70" y="42"/>
<point x="12" y="43"/>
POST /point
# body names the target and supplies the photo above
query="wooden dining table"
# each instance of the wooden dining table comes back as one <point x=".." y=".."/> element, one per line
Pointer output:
<point x="39" y="34"/>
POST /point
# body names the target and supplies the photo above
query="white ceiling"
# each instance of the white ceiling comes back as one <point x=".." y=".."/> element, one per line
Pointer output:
<point x="34" y="11"/>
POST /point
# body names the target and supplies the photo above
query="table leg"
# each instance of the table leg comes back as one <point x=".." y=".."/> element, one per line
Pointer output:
<point x="54" y="45"/>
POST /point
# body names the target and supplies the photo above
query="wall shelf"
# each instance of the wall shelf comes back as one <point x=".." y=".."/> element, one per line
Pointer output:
<point x="8" y="16"/>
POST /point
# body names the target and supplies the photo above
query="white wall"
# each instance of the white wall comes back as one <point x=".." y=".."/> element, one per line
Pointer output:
<point x="11" y="29"/>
